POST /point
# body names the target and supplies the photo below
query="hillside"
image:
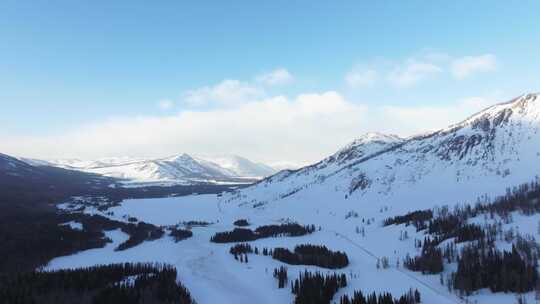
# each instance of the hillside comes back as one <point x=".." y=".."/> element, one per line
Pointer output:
<point x="484" y="154"/>
<point x="182" y="169"/>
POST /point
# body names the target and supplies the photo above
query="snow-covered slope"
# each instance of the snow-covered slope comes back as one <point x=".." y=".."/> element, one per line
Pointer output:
<point x="240" y="166"/>
<point x="178" y="169"/>
<point x="375" y="177"/>
<point x="15" y="167"/>
<point x="494" y="149"/>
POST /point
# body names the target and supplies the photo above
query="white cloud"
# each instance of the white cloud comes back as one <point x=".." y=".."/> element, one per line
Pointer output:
<point x="466" y="66"/>
<point x="412" y="72"/>
<point x="305" y="128"/>
<point x="278" y="76"/>
<point x="227" y="92"/>
<point x="358" y="77"/>
<point x="165" y="104"/>
<point x="420" y="119"/>
<point x="302" y="129"/>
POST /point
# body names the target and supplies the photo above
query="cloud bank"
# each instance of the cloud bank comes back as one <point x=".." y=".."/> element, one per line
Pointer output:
<point x="302" y="129"/>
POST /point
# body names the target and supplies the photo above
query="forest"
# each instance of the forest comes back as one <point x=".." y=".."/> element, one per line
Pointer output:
<point x="479" y="263"/>
<point x="180" y="234"/>
<point x="311" y="255"/>
<point x="316" y="288"/>
<point x="411" y="297"/>
<point x="116" y="283"/>
<point x="481" y="266"/>
<point x="305" y="254"/>
<point x="30" y="240"/>
<point x="246" y="235"/>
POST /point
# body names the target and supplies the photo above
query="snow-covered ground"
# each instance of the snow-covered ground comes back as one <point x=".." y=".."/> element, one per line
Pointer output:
<point x="211" y="273"/>
<point x="375" y="177"/>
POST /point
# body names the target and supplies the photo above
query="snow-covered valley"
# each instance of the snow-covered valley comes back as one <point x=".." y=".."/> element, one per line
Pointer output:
<point x="347" y="196"/>
<point x="210" y="272"/>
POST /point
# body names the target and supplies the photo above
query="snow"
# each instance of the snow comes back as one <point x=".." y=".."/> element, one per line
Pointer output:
<point x="485" y="154"/>
<point x="74" y="225"/>
<point x="181" y="169"/>
<point x="211" y="273"/>
<point x="376" y="176"/>
<point x="240" y="166"/>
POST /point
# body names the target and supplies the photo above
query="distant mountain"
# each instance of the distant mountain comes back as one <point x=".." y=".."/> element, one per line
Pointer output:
<point x="484" y="154"/>
<point x="240" y="166"/>
<point x="182" y="169"/>
<point x="20" y="181"/>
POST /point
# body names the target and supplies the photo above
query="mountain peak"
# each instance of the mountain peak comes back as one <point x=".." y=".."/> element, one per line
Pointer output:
<point x="524" y="106"/>
<point x="376" y="137"/>
<point x="180" y="157"/>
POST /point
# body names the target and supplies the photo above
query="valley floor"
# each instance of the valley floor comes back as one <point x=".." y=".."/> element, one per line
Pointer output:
<point x="211" y="273"/>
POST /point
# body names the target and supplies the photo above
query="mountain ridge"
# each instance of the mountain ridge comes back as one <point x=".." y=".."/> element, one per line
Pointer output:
<point x="491" y="146"/>
<point x="176" y="169"/>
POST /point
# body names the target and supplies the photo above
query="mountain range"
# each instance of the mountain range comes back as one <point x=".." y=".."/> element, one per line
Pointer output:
<point x="179" y="169"/>
<point x="484" y="154"/>
<point x="366" y="200"/>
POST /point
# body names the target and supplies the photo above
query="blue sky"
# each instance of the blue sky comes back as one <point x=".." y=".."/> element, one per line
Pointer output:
<point x="67" y="66"/>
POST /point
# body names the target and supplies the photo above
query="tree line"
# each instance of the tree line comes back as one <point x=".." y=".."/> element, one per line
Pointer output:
<point x="480" y="263"/>
<point x="481" y="266"/>
<point x="31" y="240"/>
<point x="305" y="254"/>
<point x="179" y="234"/>
<point x="411" y="297"/>
<point x="314" y="255"/>
<point x="241" y="223"/>
<point x="246" y="235"/>
<point x="316" y="288"/>
<point x="115" y="283"/>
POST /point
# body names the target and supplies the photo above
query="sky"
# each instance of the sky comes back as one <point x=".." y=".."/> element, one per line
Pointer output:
<point x="271" y="81"/>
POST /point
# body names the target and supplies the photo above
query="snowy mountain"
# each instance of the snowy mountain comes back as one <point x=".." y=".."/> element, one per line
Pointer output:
<point x="348" y="196"/>
<point x="178" y="169"/>
<point x="486" y="153"/>
<point x="20" y="181"/>
<point x="240" y="166"/>
<point x="14" y="167"/>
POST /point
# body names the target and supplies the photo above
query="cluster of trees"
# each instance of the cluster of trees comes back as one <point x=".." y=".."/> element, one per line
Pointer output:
<point x="138" y="232"/>
<point x="416" y="218"/>
<point x="469" y="232"/>
<point x="288" y="229"/>
<point x="179" y="234"/>
<point x="196" y="224"/>
<point x="116" y="283"/>
<point x="246" y="235"/>
<point x="429" y="261"/>
<point x="306" y="254"/>
<point x="486" y="267"/>
<point x="236" y="235"/>
<point x="445" y="223"/>
<point x="32" y="239"/>
<point x="411" y="297"/>
<point x="480" y="263"/>
<point x="281" y="275"/>
<point x="316" y="288"/>
<point x="242" y="257"/>
<point x="29" y="239"/>
<point x="241" y="223"/>
<point x="312" y="255"/>
<point x="242" y="248"/>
